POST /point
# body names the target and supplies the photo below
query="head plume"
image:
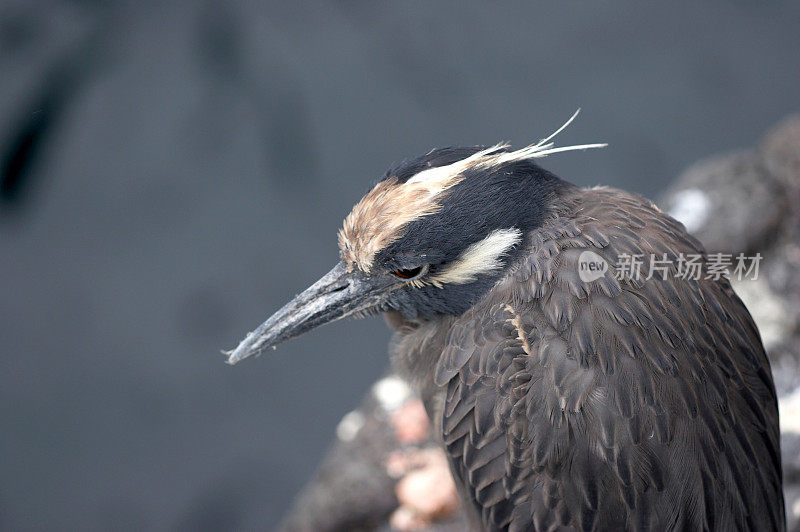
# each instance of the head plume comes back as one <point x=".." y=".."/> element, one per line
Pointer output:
<point x="381" y="216"/>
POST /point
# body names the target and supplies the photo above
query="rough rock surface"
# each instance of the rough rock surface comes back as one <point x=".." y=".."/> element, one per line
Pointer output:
<point x="384" y="472"/>
<point x="737" y="220"/>
<point x="744" y="202"/>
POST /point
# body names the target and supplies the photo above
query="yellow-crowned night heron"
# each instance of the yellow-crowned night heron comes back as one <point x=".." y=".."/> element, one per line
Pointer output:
<point x="590" y="401"/>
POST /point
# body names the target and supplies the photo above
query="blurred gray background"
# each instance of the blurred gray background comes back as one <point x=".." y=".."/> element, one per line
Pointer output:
<point x="173" y="171"/>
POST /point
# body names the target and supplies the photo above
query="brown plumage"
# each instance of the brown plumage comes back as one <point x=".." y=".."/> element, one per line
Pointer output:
<point x="613" y="404"/>
<point x="602" y="403"/>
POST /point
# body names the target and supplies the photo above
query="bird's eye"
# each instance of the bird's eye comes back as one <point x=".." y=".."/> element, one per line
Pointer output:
<point x="413" y="273"/>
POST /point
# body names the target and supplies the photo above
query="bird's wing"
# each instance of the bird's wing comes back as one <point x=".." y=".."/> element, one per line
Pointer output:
<point x="612" y="403"/>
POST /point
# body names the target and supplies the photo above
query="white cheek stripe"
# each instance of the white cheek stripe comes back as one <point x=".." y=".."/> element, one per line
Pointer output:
<point x="479" y="258"/>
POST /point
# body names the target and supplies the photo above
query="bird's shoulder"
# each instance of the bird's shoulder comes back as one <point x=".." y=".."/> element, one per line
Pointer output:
<point x="610" y="400"/>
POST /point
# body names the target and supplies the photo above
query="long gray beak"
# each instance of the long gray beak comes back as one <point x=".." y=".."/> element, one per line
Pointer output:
<point x="338" y="294"/>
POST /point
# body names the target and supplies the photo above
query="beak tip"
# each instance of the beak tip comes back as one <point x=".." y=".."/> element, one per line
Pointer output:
<point x="242" y="351"/>
<point x="253" y="344"/>
<point x="229" y="354"/>
<point x="335" y="295"/>
<point x="237" y="355"/>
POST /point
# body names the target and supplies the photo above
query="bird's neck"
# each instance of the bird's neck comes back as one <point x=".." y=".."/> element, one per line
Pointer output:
<point x="415" y="350"/>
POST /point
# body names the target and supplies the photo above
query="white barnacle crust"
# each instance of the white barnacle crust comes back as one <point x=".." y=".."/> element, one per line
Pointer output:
<point x="391" y="392"/>
<point x="691" y="207"/>
<point x="479" y="258"/>
<point x="350" y="425"/>
<point x="789" y="407"/>
<point x="767" y="308"/>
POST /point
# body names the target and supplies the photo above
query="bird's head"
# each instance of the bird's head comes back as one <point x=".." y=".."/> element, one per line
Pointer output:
<point x="429" y="239"/>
